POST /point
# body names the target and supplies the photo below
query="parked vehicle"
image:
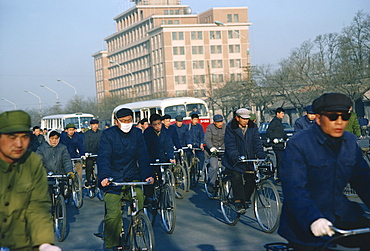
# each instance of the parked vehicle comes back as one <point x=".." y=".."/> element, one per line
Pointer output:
<point x="263" y="128"/>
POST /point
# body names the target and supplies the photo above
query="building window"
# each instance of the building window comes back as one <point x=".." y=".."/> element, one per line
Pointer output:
<point x="231" y="48"/>
<point x="215" y="35"/>
<point x="197" y="49"/>
<point x="198" y="64"/>
<point x="175" y="50"/>
<point x="196" y="35"/>
<point x="237" y="48"/>
<point x="232" y="63"/>
<point x="165" y="12"/>
<point x="238" y="63"/>
<point x="172" y="12"/>
<point x="177" y="35"/>
<point x="177" y="12"/>
<point x="239" y="77"/>
<point x="216" y="63"/>
<point x="163" y="21"/>
<point x="179" y="65"/>
<point x="229" y="18"/>
<point x="170" y="22"/>
<point x="176" y="21"/>
<point x="220" y="78"/>
<point x="236" y="18"/>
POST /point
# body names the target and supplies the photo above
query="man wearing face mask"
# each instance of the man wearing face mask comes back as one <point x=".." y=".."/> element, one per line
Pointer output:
<point x="123" y="156"/>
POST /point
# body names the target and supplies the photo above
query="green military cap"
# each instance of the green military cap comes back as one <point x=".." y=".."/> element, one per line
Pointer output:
<point x="253" y="117"/>
<point x="15" y="121"/>
<point x="70" y="125"/>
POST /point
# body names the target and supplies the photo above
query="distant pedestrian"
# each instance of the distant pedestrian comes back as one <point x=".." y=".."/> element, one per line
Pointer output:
<point x="306" y="120"/>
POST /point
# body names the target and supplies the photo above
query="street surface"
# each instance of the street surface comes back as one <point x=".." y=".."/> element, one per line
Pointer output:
<point x="199" y="226"/>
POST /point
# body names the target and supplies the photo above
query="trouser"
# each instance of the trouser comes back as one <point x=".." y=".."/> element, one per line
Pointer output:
<point x="199" y="154"/>
<point x="279" y="157"/>
<point x="89" y="168"/>
<point x="78" y="167"/>
<point x="362" y="240"/>
<point x="242" y="189"/>
<point x="113" y="216"/>
<point x="212" y="170"/>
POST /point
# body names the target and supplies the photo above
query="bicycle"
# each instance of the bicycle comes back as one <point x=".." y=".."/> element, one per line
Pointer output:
<point x="216" y="193"/>
<point x="164" y="198"/>
<point x="76" y="184"/>
<point x="140" y="234"/>
<point x="194" y="168"/>
<point x="94" y="187"/>
<point x="265" y="201"/>
<point x="59" y="213"/>
<point x="281" y="246"/>
<point x="180" y="174"/>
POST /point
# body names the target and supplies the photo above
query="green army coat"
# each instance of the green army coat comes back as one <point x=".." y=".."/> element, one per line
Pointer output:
<point x="25" y="219"/>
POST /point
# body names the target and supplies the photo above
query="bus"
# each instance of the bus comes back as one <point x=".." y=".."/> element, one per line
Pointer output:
<point x="59" y="121"/>
<point x="183" y="106"/>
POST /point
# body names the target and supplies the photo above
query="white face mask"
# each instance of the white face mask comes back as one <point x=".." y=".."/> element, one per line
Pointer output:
<point x="126" y="127"/>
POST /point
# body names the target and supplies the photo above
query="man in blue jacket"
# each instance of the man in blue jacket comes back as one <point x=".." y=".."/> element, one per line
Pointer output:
<point x="166" y="120"/>
<point x="181" y="129"/>
<point x="317" y="164"/>
<point x="241" y="139"/>
<point x="195" y="139"/>
<point x="305" y="121"/>
<point x="123" y="156"/>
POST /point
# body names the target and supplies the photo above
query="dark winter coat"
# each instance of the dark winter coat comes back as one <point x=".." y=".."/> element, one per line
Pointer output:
<point x="159" y="146"/>
<point x="276" y="131"/>
<point x="74" y="145"/>
<point x="302" y="123"/>
<point x="92" y="140"/>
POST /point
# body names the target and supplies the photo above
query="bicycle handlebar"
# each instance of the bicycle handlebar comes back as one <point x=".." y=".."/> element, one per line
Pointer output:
<point x="162" y="164"/>
<point x="132" y="183"/>
<point x="90" y="155"/>
<point x="351" y="231"/>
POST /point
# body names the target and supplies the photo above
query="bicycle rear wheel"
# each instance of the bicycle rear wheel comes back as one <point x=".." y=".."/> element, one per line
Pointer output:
<point x="187" y="171"/>
<point x="77" y="190"/>
<point x="141" y="234"/>
<point x="181" y="182"/>
<point x="60" y="218"/>
<point x="227" y="206"/>
<point x="194" y="172"/>
<point x="206" y="174"/>
<point x="266" y="205"/>
<point x="168" y="208"/>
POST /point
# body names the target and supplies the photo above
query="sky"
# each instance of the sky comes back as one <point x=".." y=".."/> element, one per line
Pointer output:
<point x="45" y="40"/>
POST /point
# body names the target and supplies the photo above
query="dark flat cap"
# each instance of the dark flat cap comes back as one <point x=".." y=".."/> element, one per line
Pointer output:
<point x="166" y="116"/>
<point x="309" y="109"/>
<point x="94" y="121"/>
<point x="154" y="117"/>
<point x="331" y="102"/>
<point x="123" y="112"/>
<point x="218" y="118"/>
<point x="179" y="118"/>
<point x="70" y="125"/>
<point x="15" y="121"/>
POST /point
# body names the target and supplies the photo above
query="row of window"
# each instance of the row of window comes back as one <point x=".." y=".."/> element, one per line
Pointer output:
<point x="196" y="93"/>
<point x="170" y="22"/>
<point x="201" y="79"/>
<point x="199" y="64"/>
<point x="215" y="49"/>
<point x="198" y="35"/>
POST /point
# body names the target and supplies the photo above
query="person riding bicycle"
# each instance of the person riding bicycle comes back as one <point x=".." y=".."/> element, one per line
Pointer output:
<point x="123" y="156"/>
<point x="305" y="121"/>
<point x="195" y="139"/>
<point x="242" y="139"/>
<point x="91" y="145"/>
<point x="214" y="139"/>
<point x="317" y="165"/>
<point x="166" y="120"/>
<point x="74" y="143"/>
<point x="55" y="156"/>
<point x="24" y="199"/>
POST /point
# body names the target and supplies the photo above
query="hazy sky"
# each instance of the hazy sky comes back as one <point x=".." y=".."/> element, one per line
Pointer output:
<point x="45" y="40"/>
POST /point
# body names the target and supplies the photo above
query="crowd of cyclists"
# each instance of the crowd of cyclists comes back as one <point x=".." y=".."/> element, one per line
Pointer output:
<point x="124" y="153"/>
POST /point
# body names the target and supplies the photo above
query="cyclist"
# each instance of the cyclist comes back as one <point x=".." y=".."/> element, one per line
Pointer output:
<point x="305" y="121"/>
<point x="166" y="120"/>
<point x="25" y="203"/>
<point x="38" y="133"/>
<point x="74" y="144"/>
<point x="142" y="124"/>
<point x="55" y="156"/>
<point x="241" y="139"/>
<point x="317" y="164"/>
<point x="195" y="138"/>
<point x="123" y="156"/>
<point x="91" y="144"/>
<point x="214" y="139"/>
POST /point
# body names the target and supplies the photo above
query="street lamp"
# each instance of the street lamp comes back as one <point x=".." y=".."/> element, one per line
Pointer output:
<point x="74" y="88"/>
<point x="57" y="96"/>
<point x="15" y="107"/>
<point x="132" y="75"/>
<point x="39" y="101"/>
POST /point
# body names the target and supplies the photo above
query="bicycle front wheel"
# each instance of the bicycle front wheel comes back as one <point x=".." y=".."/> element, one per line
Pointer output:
<point x="227" y="206"/>
<point x="77" y="190"/>
<point x="60" y="218"/>
<point x="141" y="234"/>
<point x="168" y="208"/>
<point x="194" y="172"/>
<point x="266" y="205"/>
<point x="187" y="171"/>
<point x="181" y="182"/>
<point x="169" y="178"/>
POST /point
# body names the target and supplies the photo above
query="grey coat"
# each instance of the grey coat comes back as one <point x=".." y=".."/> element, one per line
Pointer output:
<point x="215" y="136"/>
<point x="55" y="159"/>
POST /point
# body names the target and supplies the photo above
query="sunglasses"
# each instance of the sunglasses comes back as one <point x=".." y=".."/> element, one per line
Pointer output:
<point x="335" y="116"/>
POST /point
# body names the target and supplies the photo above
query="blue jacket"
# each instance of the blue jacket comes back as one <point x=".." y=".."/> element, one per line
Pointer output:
<point x="123" y="157"/>
<point x="302" y="123"/>
<point x="237" y="144"/>
<point x="313" y="177"/>
<point x="194" y="135"/>
<point x="173" y="135"/>
<point x="73" y="144"/>
<point x="181" y="133"/>
<point x="159" y="147"/>
<point x="91" y="141"/>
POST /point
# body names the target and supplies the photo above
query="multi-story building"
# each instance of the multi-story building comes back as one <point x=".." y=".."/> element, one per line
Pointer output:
<point x="160" y="49"/>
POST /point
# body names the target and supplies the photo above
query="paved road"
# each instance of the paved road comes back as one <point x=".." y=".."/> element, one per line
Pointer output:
<point x="199" y="226"/>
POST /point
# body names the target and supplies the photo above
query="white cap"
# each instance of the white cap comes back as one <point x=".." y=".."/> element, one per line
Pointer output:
<point x="243" y="113"/>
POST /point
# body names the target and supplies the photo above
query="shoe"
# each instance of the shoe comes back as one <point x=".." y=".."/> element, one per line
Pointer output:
<point x="210" y="188"/>
<point x="239" y="208"/>
<point x="248" y="204"/>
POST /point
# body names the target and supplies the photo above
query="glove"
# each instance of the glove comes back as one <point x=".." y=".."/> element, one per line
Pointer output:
<point x="48" y="247"/>
<point x="190" y="146"/>
<point x="83" y="157"/>
<point x="275" y="141"/>
<point x="213" y="149"/>
<point x="321" y="227"/>
<point x="71" y="174"/>
<point x="181" y="151"/>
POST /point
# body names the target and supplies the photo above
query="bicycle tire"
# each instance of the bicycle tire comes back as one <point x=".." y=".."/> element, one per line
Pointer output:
<point x="169" y="178"/>
<point x="179" y="173"/>
<point x="349" y="191"/>
<point x="194" y="172"/>
<point x="91" y="192"/>
<point x="152" y="210"/>
<point x="187" y="169"/>
<point x="77" y="190"/>
<point x="168" y="208"/>
<point x="60" y="218"/>
<point x="99" y="194"/>
<point x="141" y="233"/>
<point x="209" y="194"/>
<point x="227" y="207"/>
<point x="267" y="206"/>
